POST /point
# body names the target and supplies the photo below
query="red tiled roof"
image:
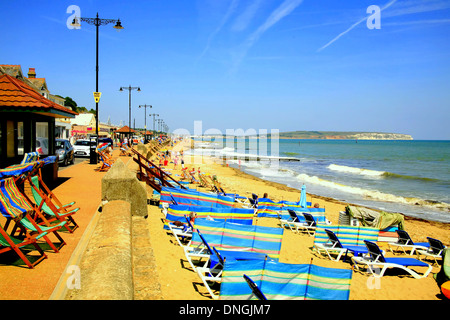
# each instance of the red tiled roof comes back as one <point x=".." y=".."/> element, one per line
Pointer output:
<point x="125" y="129"/>
<point x="15" y="94"/>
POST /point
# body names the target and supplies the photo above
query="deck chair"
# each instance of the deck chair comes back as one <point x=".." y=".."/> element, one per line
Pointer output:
<point x="30" y="157"/>
<point x="376" y="260"/>
<point x="10" y="243"/>
<point x="255" y="289"/>
<point x="124" y="150"/>
<point x="105" y="162"/>
<point x="434" y="251"/>
<point x="333" y="245"/>
<point x="51" y="205"/>
<point x="212" y="274"/>
<point x="405" y="242"/>
<point x="14" y="206"/>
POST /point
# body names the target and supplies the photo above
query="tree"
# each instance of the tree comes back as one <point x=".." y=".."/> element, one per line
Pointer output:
<point x="69" y="102"/>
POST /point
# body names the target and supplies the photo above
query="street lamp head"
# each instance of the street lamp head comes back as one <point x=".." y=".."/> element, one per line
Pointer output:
<point x="75" y="23"/>
<point x="138" y="89"/>
<point x="118" y="25"/>
<point x="121" y="89"/>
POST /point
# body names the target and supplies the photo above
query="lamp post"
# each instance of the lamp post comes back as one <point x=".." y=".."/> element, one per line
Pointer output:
<point x="145" y="106"/>
<point x="129" y="88"/>
<point x="97" y="22"/>
<point x="154" y="115"/>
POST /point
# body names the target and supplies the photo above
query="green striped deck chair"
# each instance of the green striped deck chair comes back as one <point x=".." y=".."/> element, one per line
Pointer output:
<point x="14" y="206"/>
<point x="46" y="200"/>
<point x="283" y="281"/>
<point x="11" y="243"/>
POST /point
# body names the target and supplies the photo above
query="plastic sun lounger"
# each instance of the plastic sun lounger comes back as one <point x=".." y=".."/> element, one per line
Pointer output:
<point x="377" y="260"/>
<point x="333" y="245"/>
<point x="212" y="274"/>
<point x="292" y="222"/>
<point x="435" y="250"/>
<point x="405" y="242"/>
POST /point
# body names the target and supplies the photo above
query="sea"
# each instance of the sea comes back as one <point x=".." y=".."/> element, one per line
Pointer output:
<point x="411" y="177"/>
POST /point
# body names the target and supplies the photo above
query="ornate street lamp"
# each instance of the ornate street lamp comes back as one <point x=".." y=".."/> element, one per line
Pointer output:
<point x="129" y="88"/>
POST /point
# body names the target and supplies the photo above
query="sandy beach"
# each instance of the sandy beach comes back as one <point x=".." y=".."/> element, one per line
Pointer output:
<point x="179" y="282"/>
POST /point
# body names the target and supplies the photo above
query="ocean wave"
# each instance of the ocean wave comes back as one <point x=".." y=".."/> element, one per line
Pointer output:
<point x="376" y="174"/>
<point x="360" y="171"/>
<point x="373" y="194"/>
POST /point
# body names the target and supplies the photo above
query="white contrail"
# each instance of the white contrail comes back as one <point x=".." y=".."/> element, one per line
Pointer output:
<point x="354" y="25"/>
<point x="279" y="13"/>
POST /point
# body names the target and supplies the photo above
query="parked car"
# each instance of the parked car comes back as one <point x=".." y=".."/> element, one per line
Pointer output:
<point x="82" y="148"/>
<point x="41" y="145"/>
<point x="64" y="151"/>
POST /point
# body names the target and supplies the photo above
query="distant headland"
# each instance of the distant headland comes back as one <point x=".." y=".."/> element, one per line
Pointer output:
<point x="337" y="135"/>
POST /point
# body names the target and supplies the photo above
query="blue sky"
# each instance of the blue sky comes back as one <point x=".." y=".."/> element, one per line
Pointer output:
<point x="241" y="64"/>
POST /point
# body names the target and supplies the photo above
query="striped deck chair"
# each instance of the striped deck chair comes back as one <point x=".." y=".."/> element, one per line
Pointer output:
<point x="11" y="243"/>
<point x="30" y="157"/>
<point x="46" y="200"/>
<point x="283" y="281"/>
<point x="14" y="206"/>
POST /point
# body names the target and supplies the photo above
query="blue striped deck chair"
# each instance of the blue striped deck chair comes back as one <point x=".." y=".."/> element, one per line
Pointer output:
<point x="377" y="264"/>
<point x="349" y="236"/>
<point x="14" y="206"/>
<point x="232" y="236"/>
<point x="30" y="157"/>
<point x="17" y="170"/>
<point x="283" y="281"/>
<point x="234" y="215"/>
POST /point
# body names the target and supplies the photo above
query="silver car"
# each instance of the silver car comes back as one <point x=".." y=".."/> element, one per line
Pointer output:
<point x="64" y="151"/>
<point x="82" y="148"/>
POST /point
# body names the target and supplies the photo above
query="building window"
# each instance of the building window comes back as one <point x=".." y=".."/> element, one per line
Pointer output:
<point x="20" y="146"/>
<point x="42" y="138"/>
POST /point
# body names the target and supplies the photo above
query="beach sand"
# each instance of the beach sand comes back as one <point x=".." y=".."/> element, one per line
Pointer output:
<point x="179" y="282"/>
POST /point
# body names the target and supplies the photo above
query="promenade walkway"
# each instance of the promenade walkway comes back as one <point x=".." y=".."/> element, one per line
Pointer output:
<point x="80" y="183"/>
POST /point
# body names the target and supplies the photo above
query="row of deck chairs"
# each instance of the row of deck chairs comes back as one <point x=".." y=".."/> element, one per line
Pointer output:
<point x="360" y="243"/>
<point x="31" y="219"/>
<point x="226" y="259"/>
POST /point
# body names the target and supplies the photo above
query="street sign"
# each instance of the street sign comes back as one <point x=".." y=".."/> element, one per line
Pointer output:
<point x="97" y="96"/>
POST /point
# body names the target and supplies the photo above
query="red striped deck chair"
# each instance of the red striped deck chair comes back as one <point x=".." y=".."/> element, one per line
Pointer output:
<point x="47" y="201"/>
<point x="14" y="206"/>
